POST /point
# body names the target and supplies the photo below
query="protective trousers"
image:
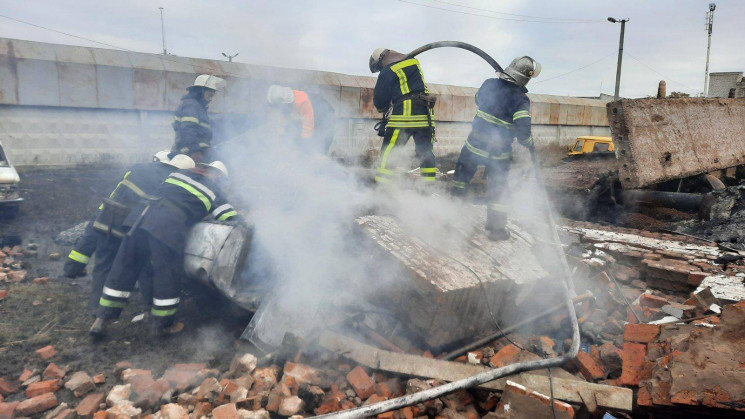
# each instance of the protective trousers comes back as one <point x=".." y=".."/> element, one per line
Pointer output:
<point x="106" y="252"/>
<point x="390" y="153"/>
<point x="138" y="250"/>
<point x="496" y="156"/>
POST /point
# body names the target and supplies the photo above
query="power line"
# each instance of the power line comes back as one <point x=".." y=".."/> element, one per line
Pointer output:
<point x="518" y="15"/>
<point x="572" y="71"/>
<point x="493" y="17"/>
<point x="666" y="77"/>
<point x="164" y="58"/>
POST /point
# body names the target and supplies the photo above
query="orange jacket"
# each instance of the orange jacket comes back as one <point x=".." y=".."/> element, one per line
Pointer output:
<point x="304" y="110"/>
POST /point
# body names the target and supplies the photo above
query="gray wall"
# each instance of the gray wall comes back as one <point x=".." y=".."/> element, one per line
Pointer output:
<point x="65" y="105"/>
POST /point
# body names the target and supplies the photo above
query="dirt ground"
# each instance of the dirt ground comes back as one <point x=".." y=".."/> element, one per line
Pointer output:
<point x="32" y="316"/>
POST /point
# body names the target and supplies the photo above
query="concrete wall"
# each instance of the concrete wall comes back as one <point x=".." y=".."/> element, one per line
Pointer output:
<point x="663" y="139"/>
<point x="62" y="105"/>
<point x="720" y="84"/>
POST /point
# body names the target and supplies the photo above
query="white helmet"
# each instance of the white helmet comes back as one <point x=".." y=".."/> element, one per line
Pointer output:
<point x="376" y="58"/>
<point x="208" y="81"/>
<point x="217" y="164"/>
<point x="181" y="161"/>
<point x="522" y="69"/>
<point x="161" y="156"/>
<point x="278" y="95"/>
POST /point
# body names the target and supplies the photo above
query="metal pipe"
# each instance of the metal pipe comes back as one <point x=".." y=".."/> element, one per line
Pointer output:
<point x="677" y="200"/>
<point x="457" y="44"/>
<point x="507" y="330"/>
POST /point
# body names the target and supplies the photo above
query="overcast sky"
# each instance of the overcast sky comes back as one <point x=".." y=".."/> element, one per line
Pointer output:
<point x="664" y="39"/>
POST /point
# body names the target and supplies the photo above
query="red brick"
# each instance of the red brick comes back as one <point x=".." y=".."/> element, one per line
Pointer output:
<point x="331" y="404"/>
<point x="588" y="367"/>
<point x="361" y="383"/>
<point x="202" y="409"/>
<point x="643" y="398"/>
<point x="695" y="278"/>
<point x="99" y="379"/>
<point x="302" y="373"/>
<point x="381" y="389"/>
<point x="641" y="333"/>
<point x="89" y="405"/>
<point x="226" y="411"/>
<point x="36" y="404"/>
<point x="685" y="397"/>
<point x="407" y="413"/>
<point x="53" y="371"/>
<point x="25" y="375"/>
<point x="633" y="363"/>
<point x="505" y="356"/>
<point x="41" y="280"/>
<point x="7" y="388"/>
<point x="3" y="294"/>
<point x="7" y="410"/>
<point x="41" y="387"/>
<point x="101" y="414"/>
<point x="46" y="352"/>
<point x="375" y="399"/>
<point x="652" y="301"/>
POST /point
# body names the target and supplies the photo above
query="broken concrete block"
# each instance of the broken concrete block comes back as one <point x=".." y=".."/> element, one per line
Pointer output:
<point x="290" y="406"/>
<point x="253" y="414"/>
<point x="209" y="390"/>
<point x="123" y="410"/>
<point x="89" y="405"/>
<point x="243" y="364"/>
<point x="36" y="404"/>
<point x="173" y="411"/>
<point x="302" y="374"/>
<point x="119" y="394"/>
<point x="46" y="352"/>
<point x="265" y="378"/>
<point x="41" y="387"/>
<point x="362" y="384"/>
<point x="80" y="383"/>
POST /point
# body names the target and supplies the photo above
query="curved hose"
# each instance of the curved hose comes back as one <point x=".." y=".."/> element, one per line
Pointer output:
<point x="457" y="44"/>
<point x="491" y="375"/>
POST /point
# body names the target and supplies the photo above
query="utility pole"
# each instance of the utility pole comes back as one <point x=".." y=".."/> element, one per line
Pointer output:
<point x="163" y="31"/>
<point x="230" y="57"/>
<point x="709" y="26"/>
<point x="620" y="54"/>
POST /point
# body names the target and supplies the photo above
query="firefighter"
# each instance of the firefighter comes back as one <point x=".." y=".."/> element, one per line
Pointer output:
<point x="191" y="121"/>
<point x="157" y="239"/>
<point x="306" y="118"/>
<point x="401" y="86"/>
<point x="503" y="114"/>
<point x="137" y="184"/>
<point x="86" y="245"/>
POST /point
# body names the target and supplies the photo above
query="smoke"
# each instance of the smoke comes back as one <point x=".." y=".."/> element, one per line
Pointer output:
<point x="307" y="245"/>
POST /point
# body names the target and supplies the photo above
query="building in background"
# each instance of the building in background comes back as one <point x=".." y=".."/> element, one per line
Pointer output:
<point x="726" y="84"/>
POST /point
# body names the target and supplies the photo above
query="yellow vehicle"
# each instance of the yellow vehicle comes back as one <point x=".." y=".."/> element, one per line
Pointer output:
<point x="592" y="145"/>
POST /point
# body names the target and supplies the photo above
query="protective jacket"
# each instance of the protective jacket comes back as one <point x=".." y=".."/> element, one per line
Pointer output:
<point x="398" y="84"/>
<point x="304" y="111"/>
<point x="192" y="123"/>
<point x="138" y="182"/>
<point x="186" y="197"/>
<point x="503" y="114"/>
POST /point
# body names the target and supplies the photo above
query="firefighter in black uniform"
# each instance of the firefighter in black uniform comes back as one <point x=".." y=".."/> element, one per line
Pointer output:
<point x="191" y="122"/>
<point x="503" y="115"/>
<point x="401" y="84"/>
<point x="86" y="245"/>
<point x="157" y="238"/>
<point x="137" y="184"/>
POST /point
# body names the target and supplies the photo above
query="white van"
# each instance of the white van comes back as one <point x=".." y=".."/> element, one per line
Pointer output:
<point x="10" y="197"/>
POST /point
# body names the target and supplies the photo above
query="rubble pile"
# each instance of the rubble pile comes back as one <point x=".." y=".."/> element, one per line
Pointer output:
<point x="14" y="264"/>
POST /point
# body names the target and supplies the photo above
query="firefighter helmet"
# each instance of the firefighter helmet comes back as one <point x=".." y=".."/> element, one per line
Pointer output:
<point x="162" y="156"/>
<point x="377" y="58"/>
<point x="209" y="82"/>
<point x="181" y="161"/>
<point x="522" y="69"/>
<point x="219" y="166"/>
<point x="277" y="95"/>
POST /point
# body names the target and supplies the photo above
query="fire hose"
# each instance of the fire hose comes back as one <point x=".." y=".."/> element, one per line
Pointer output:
<point x="491" y="375"/>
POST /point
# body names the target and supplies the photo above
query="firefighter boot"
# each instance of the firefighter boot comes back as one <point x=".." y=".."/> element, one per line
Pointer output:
<point x="496" y="226"/>
<point x="98" y="328"/>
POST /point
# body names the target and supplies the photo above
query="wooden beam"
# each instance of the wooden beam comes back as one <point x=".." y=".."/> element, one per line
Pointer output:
<point x="608" y="397"/>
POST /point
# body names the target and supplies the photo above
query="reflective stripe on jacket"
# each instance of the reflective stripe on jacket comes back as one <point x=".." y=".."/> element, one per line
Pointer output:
<point x="503" y="112"/>
<point x="191" y="122"/>
<point x="395" y="85"/>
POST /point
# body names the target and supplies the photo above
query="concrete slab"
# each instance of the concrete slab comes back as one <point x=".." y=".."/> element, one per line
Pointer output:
<point x="663" y="139"/>
<point x="441" y="295"/>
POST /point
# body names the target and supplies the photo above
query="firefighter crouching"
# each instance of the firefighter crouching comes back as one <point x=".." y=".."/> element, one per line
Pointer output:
<point x="401" y="85"/>
<point x="157" y="240"/>
<point x="503" y="115"/>
<point x="137" y="184"/>
<point x="191" y="122"/>
<point x="86" y="245"/>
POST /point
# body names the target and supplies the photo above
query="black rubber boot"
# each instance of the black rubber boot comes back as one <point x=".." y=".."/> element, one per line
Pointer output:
<point x="496" y="226"/>
<point x="98" y="329"/>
